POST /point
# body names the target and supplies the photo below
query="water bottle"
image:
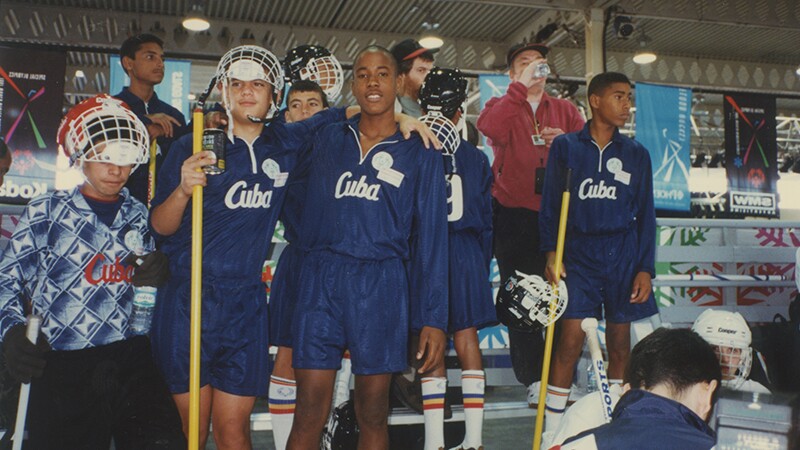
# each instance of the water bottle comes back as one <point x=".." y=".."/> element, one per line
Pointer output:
<point x="144" y="301"/>
<point x="591" y="381"/>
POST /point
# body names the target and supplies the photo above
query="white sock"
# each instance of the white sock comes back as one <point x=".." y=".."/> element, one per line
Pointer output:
<point x="341" y="389"/>
<point x="555" y="404"/>
<point x="473" y="383"/>
<point x="433" y="390"/>
<point x="282" y="398"/>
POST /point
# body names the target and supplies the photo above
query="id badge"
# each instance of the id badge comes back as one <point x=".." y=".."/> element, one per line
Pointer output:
<point x="537" y="139"/>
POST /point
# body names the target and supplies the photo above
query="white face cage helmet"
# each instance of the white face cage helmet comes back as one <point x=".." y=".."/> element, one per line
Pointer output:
<point x="728" y="332"/>
<point x="103" y="129"/>
<point x="540" y="295"/>
<point x="444" y="130"/>
<point x="317" y="64"/>
<point x="248" y="63"/>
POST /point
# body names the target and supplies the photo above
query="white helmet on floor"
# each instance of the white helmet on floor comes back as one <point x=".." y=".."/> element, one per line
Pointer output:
<point x="103" y="129"/>
<point x="730" y="335"/>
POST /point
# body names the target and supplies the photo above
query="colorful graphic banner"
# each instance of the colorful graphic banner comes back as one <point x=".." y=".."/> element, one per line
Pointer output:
<point x="663" y="126"/>
<point x="751" y="154"/>
<point x="174" y="89"/>
<point x="31" y="98"/>
<point x="491" y="86"/>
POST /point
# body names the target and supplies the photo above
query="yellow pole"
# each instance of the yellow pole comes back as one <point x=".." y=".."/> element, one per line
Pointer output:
<point x="197" y="284"/>
<point x="151" y="169"/>
<point x="548" y="341"/>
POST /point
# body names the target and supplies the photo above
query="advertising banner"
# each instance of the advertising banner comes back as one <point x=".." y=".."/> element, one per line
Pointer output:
<point x="491" y="86"/>
<point x="31" y="99"/>
<point x="663" y="126"/>
<point x="751" y="154"/>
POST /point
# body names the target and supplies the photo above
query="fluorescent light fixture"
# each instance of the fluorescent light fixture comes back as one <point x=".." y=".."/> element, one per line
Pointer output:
<point x="195" y="20"/>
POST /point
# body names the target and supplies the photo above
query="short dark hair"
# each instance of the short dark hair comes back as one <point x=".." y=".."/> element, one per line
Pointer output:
<point x="603" y="80"/>
<point x="405" y="66"/>
<point x="3" y="149"/>
<point x="134" y="43"/>
<point x="678" y="358"/>
<point x="376" y="48"/>
<point x="307" y="86"/>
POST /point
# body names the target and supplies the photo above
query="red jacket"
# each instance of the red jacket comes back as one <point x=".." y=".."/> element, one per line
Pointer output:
<point x="508" y="123"/>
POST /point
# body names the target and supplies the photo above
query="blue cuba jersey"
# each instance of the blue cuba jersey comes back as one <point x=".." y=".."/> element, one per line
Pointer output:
<point x="469" y="194"/>
<point x="240" y="205"/>
<point x="611" y="192"/>
<point x="369" y="207"/>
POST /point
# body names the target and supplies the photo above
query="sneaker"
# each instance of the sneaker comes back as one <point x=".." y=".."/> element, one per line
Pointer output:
<point x="408" y="392"/>
<point x="533" y="394"/>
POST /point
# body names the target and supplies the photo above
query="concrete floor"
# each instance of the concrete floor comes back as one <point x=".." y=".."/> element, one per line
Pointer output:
<point x="515" y="433"/>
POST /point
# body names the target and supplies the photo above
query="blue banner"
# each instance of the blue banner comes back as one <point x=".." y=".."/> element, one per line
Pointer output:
<point x="491" y="86"/>
<point x="174" y="89"/>
<point x="663" y="126"/>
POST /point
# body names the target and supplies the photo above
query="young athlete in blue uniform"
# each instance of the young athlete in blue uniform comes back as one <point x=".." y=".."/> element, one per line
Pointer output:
<point x="305" y="98"/>
<point x="93" y="380"/>
<point x="241" y="207"/>
<point x="469" y="182"/>
<point x="368" y="192"/>
<point x="609" y="257"/>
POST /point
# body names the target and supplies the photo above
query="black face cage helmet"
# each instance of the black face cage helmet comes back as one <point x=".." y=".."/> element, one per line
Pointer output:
<point x="444" y="91"/>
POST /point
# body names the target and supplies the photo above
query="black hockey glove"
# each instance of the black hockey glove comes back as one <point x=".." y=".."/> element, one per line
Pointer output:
<point x="24" y="359"/>
<point x="151" y="269"/>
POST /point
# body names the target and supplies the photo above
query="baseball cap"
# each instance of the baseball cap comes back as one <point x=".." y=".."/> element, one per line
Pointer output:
<point x="519" y="48"/>
<point x="410" y="49"/>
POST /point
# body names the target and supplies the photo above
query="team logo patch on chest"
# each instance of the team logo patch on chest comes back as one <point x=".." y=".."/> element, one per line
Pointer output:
<point x="272" y="169"/>
<point x="599" y="191"/>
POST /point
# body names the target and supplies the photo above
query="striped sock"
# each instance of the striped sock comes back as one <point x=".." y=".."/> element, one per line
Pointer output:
<point x="473" y="383"/>
<point x="282" y="398"/>
<point x="433" y="390"/>
<point x="555" y="404"/>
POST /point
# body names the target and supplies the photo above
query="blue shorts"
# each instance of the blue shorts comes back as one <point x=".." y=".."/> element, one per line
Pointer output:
<point x="283" y="295"/>
<point x="600" y="274"/>
<point x="471" y="302"/>
<point x="355" y="304"/>
<point x="234" y="354"/>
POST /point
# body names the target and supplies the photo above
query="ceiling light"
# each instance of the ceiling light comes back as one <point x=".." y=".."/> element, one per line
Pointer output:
<point x="797" y="71"/>
<point x="430" y="37"/>
<point x="79" y="74"/>
<point x="431" y="40"/>
<point x="196" y="20"/>
<point x="645" y="55"/>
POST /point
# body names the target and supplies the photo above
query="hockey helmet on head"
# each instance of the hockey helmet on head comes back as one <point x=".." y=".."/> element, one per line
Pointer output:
<point x="103" y="129"/>
<point x="444" y="130"/>
<point x="315" y="63"/>
<point x="523" y="302"/>
<point x="251" y="62"/>
<point x="444" y="91"/>
<point x="730" y="335"/>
